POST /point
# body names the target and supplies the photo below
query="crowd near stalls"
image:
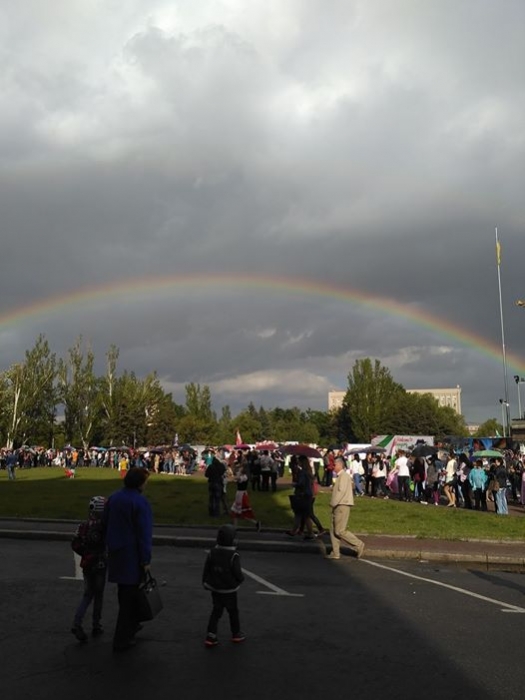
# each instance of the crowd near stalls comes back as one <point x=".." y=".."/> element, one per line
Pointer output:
<point x="439" y="475"/>
<point x="462" y="473"/>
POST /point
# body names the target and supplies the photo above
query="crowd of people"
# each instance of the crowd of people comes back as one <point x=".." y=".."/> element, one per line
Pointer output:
<point x="441" y="478"/>
<point x="169" y="460"/>
<point x="426" y="475"/>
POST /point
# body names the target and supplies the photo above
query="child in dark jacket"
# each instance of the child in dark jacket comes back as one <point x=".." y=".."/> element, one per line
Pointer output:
<point x="89" y="543"/>
<point x="223" y="576"/>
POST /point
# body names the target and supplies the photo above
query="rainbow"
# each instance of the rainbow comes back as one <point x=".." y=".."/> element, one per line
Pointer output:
<point x="140" y="287"/>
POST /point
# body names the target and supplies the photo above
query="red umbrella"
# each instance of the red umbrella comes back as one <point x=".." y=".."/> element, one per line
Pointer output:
<point x="305" y="450"/>
<point x="266" y="446"/>
<point x="231" y="448"/>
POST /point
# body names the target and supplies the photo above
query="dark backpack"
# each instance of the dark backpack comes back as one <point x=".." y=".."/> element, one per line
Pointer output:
<point x="89" y="544"/>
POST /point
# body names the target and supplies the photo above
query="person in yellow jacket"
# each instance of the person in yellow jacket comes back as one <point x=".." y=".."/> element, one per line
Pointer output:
<point x="340" y="502"/>
<point x="123" y="464"/>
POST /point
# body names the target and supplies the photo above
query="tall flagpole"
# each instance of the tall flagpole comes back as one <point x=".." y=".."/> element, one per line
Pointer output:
<point x="503" y="351"/>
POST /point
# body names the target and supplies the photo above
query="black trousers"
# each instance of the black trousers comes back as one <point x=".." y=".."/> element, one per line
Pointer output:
<point x="265" y="476"/>
<point x="480" y="499"/>
<point x="465" y="490"/>
<point x="403" y="487"/>
<point x="215" y="493"/>
<point x="221" y="602"/>
<point x="127" y="620"/>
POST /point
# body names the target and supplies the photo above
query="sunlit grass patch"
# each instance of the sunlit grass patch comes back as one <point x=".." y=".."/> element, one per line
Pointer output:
<point x="178" y="500"/>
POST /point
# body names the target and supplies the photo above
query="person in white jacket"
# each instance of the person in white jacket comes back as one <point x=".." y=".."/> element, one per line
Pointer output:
<point x="356" y="471"/>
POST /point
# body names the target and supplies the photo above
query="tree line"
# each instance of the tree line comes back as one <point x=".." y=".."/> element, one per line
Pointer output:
<point x="47" y="400"/>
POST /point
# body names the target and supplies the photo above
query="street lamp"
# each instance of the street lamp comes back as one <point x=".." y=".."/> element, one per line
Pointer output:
<point x="504" y="404"/>
<point x="519" y="380"/>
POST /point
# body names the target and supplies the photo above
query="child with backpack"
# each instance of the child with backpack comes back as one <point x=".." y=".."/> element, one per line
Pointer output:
<point x="89" y="543"/>
<point x="223" y="576"/>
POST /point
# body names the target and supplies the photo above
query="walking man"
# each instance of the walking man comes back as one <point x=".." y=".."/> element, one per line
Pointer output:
<point x="11" y="463"/>
<point x="340" y="502"/>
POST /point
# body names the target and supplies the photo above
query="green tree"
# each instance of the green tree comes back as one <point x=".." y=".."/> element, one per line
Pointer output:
<point x="79" y="394"/>
<point x="198" y="401"/>
<point x="199" y="423"/>
<point x="109" y="403"/>
<point x="450" y="423"/>
<point x="421" y="414"/>
<point x="29" y="397"/>
<point x="224" y="427"/>
<point x="141" y="404"/>
<point x="248" y="424"/>
<point x="162" y="430"/>
<point x="413" y="414"/>
<point x="265" y="421"/>
<point x="490" y="428"/>
<point x="370" y="398"/>
<point x="334" y="427"/>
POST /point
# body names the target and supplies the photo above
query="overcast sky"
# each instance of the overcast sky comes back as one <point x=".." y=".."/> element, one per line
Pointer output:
<point x="368" y="145"/>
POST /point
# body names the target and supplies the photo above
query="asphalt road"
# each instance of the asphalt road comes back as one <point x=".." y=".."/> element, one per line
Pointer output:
<point x="315" y="628"/>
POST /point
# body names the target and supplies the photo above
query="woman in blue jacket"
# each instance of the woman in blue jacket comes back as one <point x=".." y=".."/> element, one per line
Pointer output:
<point x="129" y="534"/>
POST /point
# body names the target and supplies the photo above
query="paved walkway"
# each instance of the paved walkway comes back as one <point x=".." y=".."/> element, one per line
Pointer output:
<point x="487" y="554"/>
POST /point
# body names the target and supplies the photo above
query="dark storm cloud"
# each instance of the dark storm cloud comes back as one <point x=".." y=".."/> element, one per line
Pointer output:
<point x="369" y="146"/>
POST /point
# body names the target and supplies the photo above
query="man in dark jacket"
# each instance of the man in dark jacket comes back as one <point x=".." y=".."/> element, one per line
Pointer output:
<point x="129" y="536"/>
<point x="223" y="576"/>
<point x="215" y="475"/>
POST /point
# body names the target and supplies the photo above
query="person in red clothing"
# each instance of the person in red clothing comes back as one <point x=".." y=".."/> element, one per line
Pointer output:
<point x="241" y="506"/>
<point x="329" y="461"/>
<point x="89" y="543"/>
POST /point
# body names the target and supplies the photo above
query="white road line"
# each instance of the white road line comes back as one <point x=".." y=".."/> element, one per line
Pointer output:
<point x="274" y="590"/>
<point x="508" y="607"/>
<point x="78" y="571"/>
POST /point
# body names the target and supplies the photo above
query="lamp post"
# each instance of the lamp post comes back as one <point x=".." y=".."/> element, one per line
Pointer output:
<point x="519" y="380"/>
<point x="504" y="405"/>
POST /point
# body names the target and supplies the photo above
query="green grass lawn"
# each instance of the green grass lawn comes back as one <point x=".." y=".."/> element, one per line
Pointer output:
<point x="178" y="500"/>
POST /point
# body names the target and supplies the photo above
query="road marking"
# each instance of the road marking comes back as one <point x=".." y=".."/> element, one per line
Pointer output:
<point x="274" y="590"/>
<point x="508" y="607"/>
<point x="78" y="571"/>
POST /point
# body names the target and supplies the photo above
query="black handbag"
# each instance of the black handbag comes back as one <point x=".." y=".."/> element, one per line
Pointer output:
<point x="149" y="600"/>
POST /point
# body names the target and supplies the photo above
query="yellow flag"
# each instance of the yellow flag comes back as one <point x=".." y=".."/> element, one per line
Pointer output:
<point x="498" y="252"/>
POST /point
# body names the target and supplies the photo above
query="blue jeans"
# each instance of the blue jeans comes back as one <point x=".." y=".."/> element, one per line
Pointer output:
<point x="11" y="471"/>
<point x="94" y="583"/>
<point x="357" y="484"/>
<point x="501" y="502"/>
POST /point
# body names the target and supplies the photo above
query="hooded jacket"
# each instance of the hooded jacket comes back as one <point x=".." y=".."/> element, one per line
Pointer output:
<point x="222" y="569"/>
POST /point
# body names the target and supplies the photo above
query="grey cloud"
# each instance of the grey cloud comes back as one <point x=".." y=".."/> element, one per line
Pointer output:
<point x="366" y="146"/>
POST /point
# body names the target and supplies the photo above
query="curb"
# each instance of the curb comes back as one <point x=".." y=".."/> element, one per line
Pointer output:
<point x="484" y="561"/>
